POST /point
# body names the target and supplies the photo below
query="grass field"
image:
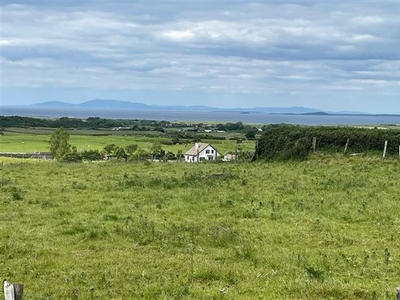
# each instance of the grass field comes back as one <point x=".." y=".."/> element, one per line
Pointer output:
<point x="321" y="229"/>
<point x="36" y="140"/>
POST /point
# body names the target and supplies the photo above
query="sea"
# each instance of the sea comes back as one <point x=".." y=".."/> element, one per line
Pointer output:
<point x="203" y="116"/>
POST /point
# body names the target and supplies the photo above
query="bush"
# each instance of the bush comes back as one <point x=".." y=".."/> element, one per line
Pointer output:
<point x="72" y="157"/>
<point x="299" y="151"/>
<point x="91" y="155"/>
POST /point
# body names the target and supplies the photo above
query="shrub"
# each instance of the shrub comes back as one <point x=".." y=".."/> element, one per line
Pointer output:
<point x="72" y="157"/>
<point x="92" y="154"/>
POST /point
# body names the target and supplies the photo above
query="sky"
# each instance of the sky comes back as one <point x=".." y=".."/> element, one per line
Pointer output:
<point x="328" y="55"/>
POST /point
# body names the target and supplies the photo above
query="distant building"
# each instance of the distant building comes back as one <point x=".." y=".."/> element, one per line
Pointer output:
<point x="189" y="129"/>
<point x="229" y="157"/>
<point x="201" y="152"/>
<point x="121" y="128"/>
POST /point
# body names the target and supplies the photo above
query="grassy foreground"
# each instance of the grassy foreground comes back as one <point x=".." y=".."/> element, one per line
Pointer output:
<point x="322" y="229"/>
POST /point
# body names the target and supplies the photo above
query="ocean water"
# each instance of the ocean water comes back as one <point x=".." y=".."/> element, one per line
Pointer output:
<point x="202" y="116"/>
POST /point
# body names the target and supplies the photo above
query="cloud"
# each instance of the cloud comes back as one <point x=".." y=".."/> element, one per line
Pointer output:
<point x="263" y="48"/>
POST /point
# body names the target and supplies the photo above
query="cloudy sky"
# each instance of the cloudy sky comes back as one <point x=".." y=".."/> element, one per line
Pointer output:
<point x="329" y="55"/>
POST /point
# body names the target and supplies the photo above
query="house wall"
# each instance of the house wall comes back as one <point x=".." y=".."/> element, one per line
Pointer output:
<point x="208" y="153"/>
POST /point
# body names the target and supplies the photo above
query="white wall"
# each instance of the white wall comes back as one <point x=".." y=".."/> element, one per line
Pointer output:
<point x="208" y="153"/>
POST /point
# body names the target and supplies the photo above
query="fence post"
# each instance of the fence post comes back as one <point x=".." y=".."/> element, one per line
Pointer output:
<point x="12" y="291"/>
<point x="347" y="145"/>
<point x="18" y="290"/>
<point x="384" y="150"/>
<point x="314" y="144"/>
<point x="398" y="293"/>
<point x="236" y="153"/>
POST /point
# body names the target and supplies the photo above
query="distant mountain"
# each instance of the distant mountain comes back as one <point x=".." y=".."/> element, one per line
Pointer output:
<point x="95" y="103"/>
<point x="112" y="104"/>
<point x="118" y="104"/>
<point x="58" y="104"/>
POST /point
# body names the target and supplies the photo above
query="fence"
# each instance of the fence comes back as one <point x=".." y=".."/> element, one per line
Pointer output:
<point x="12" y="291"/>
<point x="38" y="155"/>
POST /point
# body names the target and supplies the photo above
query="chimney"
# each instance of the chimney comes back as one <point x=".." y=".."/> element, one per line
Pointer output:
<point x="196" y="146"/>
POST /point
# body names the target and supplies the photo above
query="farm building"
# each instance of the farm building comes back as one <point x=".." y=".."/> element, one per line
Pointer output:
<point x="229" y="157"/>
<point x="201" y="152"/>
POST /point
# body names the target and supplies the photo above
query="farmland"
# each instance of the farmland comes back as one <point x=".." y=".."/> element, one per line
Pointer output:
<point x="17" y="139"/>
<point x="325" y="228"/>
<point x="35" y="140"/>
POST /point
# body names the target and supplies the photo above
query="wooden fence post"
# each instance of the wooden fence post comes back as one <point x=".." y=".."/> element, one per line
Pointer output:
<point x="18" y="290"/>
<point x="236" y="153"/>
<point x="314" y="144"/>
<point x="398" y="293"/>
<point x="12" y="291"/>
<point x="384" y="150"/>
<point x="347" y="145"/>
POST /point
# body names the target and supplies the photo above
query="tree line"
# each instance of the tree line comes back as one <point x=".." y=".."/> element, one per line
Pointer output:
<point x="62" y="150"/>
<point x="136" y="125"/>
<point x="89" y="123"/>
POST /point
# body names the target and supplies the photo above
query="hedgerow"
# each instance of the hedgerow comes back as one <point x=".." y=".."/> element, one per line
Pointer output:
<point x="283" y="142"/>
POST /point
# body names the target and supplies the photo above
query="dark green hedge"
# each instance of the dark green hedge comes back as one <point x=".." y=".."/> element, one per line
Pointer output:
<point x="281" y="142"/>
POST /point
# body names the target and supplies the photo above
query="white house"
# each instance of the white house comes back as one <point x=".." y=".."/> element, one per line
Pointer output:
<point x="201" y="152"/>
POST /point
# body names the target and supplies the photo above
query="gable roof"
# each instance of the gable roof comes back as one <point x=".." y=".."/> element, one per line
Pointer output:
<point x="201" y="147"/>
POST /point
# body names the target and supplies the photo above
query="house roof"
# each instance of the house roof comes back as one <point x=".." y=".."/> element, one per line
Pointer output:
<point x="201" y="147"/>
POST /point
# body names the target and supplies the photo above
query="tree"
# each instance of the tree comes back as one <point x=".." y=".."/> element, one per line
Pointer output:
<point x="251" y="134"/>
<point x="72" y="156"/>
<point x="130" y="149"/>
<point x="59" y="143"/>
<point x="120" y="153"/>
<point x="220" y="126"/>
<point x="92" y="154"/>
<point x="142" y="154"/>
<point x="110" y="149"/>
<point x="156" y="150"/>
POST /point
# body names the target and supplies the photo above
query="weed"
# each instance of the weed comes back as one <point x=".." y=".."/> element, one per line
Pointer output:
<point x="78" y="185"/>
<point x="207" y="275"/>
<point x="315" y="273"/>
<point x="4" y="182"/>
<point x="16" y="193"/>
<point x="110" y="217"/>
<point x="222" y="235"/>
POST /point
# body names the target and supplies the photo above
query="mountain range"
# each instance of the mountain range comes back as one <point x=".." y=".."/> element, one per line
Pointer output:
<point x="127" y="105"/>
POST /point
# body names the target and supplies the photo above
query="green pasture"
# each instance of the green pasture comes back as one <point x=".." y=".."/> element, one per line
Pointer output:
<point x="325" y="228"/>
<point x="36" y="141"/>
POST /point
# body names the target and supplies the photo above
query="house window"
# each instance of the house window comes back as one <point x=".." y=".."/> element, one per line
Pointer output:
<point x="207" y="151"/>
<point x="212" y="151"/>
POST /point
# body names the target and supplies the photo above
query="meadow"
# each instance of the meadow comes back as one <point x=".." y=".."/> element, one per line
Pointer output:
<point x="37" y="140"/>
<point x="325" y="228"/>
